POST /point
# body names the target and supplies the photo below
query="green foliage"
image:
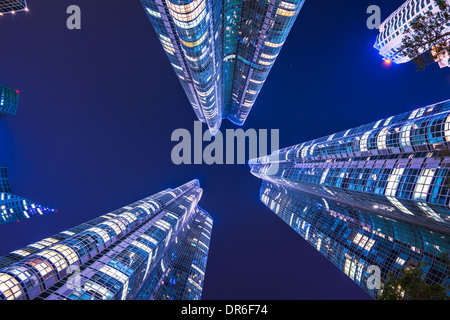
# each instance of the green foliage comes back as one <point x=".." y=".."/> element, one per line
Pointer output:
<point x="410" y="285"/>
<point x="426" y="41"/>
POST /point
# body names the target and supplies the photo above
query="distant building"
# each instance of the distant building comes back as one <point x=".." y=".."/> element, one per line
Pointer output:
<point x="153" y="249"/>
<point x="8" y="101"/>
<point x="222" y="51"/>
<point x="13" y="207"/>
<point x="389" y="40"/>
<point x="12" y="6"/>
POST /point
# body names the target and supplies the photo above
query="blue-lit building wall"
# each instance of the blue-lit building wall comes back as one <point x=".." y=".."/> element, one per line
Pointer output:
<point x="397" y="167"/>
<point x="119" y="255"/>
<point x="222" y="50"/>
<point x="356" y="241"/>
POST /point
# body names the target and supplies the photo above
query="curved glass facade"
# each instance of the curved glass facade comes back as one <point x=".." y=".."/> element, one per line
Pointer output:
<point x="14" y="208"/>
<point x="9" y="99"/>
<point x="222" y="50"/>
<point x="397" y="167"/>
<point x="358" y="241"/>
<point x="155" y="248"/>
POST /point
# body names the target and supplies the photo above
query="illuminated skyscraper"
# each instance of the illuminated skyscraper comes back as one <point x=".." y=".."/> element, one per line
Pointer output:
<point x="389" y="40"/>
<point x="12" y="6"/>
<point x="8" y="101"/>
<point x="398" y="167"/>
<point x="155" y="248"/>
<point x="222" y="50"/>
<point x="359" y="242"/>
<point x="14" y="208"/>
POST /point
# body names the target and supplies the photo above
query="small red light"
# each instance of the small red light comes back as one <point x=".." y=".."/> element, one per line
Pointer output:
<point x="17" y="91"/>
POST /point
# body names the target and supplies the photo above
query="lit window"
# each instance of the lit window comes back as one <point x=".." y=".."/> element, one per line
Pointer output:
<point x="285" y="13"/>
<point x="273" y="45"/>
<point x="196" y="43"/>
<point x="423" y="184"/>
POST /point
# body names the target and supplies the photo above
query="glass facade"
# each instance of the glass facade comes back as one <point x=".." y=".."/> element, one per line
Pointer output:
<point x="15" y="208"/>
<point x="9" y="6"/>
<point x="374" y="195"/>
<point x="397" y="167"/>
<point x="9" y="99"/>
<point x="222" y="50"/>
<point x="358" y="241"/>
<point x="391" y="31"/>
<point x="155" y="248"/>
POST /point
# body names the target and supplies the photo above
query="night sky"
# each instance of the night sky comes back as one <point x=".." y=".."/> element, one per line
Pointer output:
<point x="98" y="106"/>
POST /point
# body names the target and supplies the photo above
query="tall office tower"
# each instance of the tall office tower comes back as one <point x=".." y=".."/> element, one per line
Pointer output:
<point x="155" y="248"/>
<point x="12" y="6"/>
<point x="222" y="50"/>
<point x="15" y="208"/>
<point x="358" y="242"/>
<point x="390" y="35"/>
<point x="398" y="168"/>
<point x="8" y="100"/>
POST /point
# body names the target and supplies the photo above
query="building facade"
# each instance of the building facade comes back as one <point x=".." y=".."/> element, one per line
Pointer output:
<point x="377" y="194"/>
<point x="9" y="99"/>
<point x="389" y="39"/>
<point x="12" y="6"/>
<point x="155" y="248"/>
<point x="397" y="167"/>
<point x="222" y="50"/>
<point x="14" y="208"/>
<point x="359" y="242"/>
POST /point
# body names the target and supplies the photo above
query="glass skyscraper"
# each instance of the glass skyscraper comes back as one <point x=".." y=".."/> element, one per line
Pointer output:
<point x="8" y="100"/>
<point x="8" y="6"/>
<point x="389" y="39"/>
<point x="155" y="248"/>
<point x="222" y="50"/>
<point x="14" y="208"/>
<point x="394" y="171"/>
<point x="356" y="240"/>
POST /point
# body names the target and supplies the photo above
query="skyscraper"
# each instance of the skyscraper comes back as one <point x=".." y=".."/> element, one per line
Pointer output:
<point x="389" y="180"/>
<point x="13" y="207"/>
<point x="389" y="39"/>
<point x="8" y="101"/>
<point x="11" y="6"/>
<point x="397" y="167"/>
<point x="155" y="248"/>
<point x="222" y="50"/>
<point x="357" y="241"/>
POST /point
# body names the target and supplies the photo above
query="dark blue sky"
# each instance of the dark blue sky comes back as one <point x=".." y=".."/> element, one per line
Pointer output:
<point x="98" y="107"/>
